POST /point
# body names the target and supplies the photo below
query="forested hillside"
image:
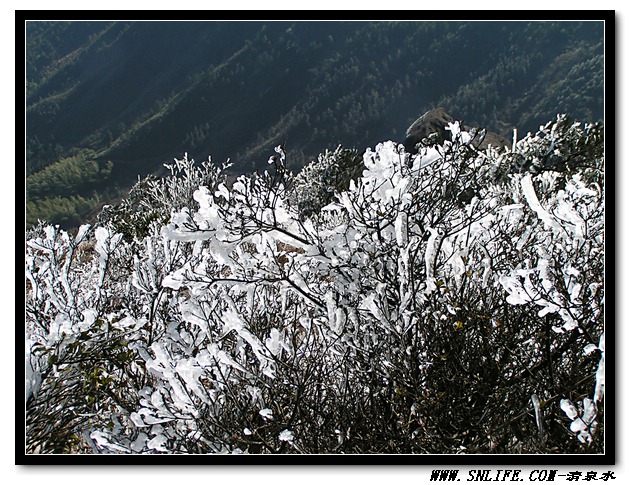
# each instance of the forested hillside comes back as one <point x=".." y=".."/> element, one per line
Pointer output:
<point x="106" y="102"/>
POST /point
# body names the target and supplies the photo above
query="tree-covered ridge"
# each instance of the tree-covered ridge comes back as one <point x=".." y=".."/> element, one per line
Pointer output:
<point x="450" y="301"/>
<point x="135" y="93"/>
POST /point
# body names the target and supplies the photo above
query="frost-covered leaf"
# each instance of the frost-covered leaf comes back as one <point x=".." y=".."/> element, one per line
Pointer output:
<point x="568" y="408"/>
<point x="589" y="349"/>
<point x="286" y="435"/>
<point x="158" y="443"/>
<point x="578" y="426"/>
<point x="266" y="413"/>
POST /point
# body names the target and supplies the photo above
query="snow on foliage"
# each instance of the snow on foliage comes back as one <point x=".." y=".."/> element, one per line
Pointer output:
<point x="413" y="307"/>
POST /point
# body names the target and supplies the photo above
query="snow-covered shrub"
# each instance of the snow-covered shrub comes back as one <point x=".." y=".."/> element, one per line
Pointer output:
<point x="315" y="185"/>
<point x="152" y="199"/>
<point x="586" y="425"/>
<point x="442" y="292"/>
<point x="78" y="363"/>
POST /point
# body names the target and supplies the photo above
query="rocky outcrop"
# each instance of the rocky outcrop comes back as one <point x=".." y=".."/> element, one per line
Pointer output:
<point x="431" y="127"/>
<point x="483" y="139"/>
<point x="433" y="121"/>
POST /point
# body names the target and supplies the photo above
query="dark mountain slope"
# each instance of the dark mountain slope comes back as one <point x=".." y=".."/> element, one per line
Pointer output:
<point x="141" y="93"/>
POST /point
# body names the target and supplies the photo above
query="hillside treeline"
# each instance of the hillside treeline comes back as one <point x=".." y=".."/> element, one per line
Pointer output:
<point x="139" y="94"/>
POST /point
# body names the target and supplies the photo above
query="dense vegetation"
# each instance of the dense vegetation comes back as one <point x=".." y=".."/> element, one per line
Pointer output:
<point x="140" y="93"/>
<point x="450" y="301"/>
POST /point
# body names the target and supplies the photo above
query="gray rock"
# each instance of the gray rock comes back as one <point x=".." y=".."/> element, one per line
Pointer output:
<point x="430" y="129"/>
<point x="433" y="121"/>
<point x="483" y="139"/>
